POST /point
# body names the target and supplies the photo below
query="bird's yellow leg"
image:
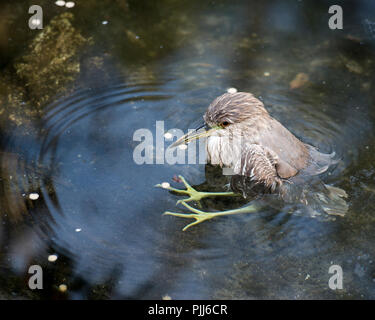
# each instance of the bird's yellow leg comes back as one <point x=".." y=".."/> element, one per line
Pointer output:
<point x="201" y="216"/>
<point x="193" y="194"/>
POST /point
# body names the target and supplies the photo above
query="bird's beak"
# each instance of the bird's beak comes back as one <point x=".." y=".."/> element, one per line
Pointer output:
<point x="200" y="132"/>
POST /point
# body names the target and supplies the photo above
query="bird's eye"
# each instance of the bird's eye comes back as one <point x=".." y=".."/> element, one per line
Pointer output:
<point x="225" y="124"/>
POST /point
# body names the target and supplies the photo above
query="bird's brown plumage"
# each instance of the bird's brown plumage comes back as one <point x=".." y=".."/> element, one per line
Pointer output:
<point x="257" y="146"/>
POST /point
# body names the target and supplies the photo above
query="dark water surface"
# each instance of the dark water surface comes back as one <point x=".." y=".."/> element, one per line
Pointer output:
<point x="73" y="94"/>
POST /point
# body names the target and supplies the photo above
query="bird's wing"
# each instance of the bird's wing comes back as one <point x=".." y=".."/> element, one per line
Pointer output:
<point x="319" y="197"/>
<point x="259" y="164"/>
<point x="293" y="154"/>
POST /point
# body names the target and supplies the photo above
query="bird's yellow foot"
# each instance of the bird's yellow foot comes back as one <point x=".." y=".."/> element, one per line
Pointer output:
<point x="201" y="216"/>
<point x="193" y="194"/>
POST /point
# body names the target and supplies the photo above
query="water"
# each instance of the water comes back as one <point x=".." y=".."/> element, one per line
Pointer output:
<point x="67" y="135"/>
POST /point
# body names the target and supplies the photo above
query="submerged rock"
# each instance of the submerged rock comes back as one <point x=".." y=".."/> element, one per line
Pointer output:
<point x="299" y="80"/>
<point x="53" y="60"/>
<point x="49" y="68"/>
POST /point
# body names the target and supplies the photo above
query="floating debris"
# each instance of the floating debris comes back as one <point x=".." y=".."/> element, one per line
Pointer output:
<point x="266" y="74"/>
<point x="105" y="22"/>
<point x="70" y="4"/>
<point x="36" y="22"/>
<point x="52" y="258"/>
<point x="63" y="287"/>
<point x="231" y="90"/>
<point x="300" y="80"/>
<point x="165" y="185"/>
<point x="34" y="196"/>
<point x="354" y="67"/>
<point x="183" y="146"/>
<point x="168" y="135"/>
<point x="60" y="3"/>
<point x="78" y="230"/>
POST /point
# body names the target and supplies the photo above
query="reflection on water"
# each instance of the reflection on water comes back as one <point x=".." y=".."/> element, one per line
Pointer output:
<point x="98" y="211"/>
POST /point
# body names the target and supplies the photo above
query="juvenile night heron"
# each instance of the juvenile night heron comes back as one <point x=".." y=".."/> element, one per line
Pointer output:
<point x="264" y="157"/>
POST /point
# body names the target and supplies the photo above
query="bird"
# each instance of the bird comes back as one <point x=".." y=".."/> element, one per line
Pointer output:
<point x="263" y="156"/>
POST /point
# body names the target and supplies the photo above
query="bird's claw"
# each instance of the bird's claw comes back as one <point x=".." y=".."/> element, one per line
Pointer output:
<point x="199" y="216"/>
<point x="193" y="194"/>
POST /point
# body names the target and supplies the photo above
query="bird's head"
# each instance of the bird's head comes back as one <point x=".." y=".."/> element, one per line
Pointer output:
<point x="226" y="112"/>
<point x="233" y="108"/>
